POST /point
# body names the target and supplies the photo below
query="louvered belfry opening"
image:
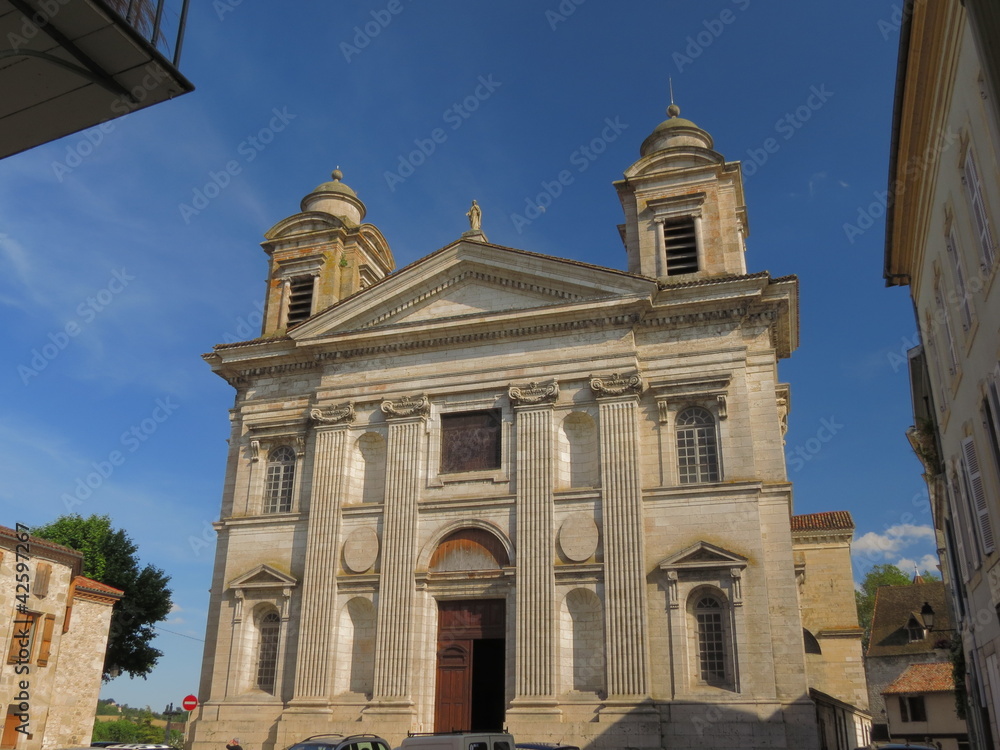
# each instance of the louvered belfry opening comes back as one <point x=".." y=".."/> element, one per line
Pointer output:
<point x="681" y="245"/>
<point x="300" y="297"/>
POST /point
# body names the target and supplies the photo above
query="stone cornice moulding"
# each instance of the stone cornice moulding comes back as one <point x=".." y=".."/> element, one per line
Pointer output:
<point x="616" y="385"/>
<point x="333" y="415"/>
<point x="408" y="406"/>
<point x="533" y="393"/>
<point x="270" y="434"/>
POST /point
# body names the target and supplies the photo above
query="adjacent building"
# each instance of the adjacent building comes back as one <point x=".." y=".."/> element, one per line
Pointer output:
<point x="54" y="632"/>
<point x="911" y="638"/>
<point x="497" y="488"/>
<point x="941" y="242"/>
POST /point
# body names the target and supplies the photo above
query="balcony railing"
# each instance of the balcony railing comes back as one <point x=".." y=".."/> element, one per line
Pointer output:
<point x="159" y="22"/>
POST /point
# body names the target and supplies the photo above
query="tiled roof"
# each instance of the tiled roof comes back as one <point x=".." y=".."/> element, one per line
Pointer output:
<point x="834" y="520"/>
<point x="89" y="584"/>
<point x="895" y="605"/>
<point x="924" y="678"/>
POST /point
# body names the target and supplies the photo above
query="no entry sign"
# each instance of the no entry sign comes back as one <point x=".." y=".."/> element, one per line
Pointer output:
<point x="190" y="703"/>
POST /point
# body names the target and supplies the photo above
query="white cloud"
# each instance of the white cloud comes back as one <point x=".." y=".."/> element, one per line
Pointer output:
<point x="895" y="539"/>
<point x="926" y="564"/>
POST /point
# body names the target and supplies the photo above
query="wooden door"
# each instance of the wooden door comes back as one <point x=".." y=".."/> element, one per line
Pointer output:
<point x="453" y="701"/>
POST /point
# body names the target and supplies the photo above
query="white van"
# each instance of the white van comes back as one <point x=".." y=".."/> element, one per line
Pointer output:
<point x="459" y="741"/>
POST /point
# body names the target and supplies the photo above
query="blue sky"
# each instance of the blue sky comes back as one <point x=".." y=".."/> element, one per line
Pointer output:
<point x="119" y="275"/>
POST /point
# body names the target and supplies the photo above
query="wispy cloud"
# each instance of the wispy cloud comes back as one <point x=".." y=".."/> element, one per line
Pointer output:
<point x="894" y="540"/>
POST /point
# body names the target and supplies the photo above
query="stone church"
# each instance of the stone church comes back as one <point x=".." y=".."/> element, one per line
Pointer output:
<point x="498" y="488"/>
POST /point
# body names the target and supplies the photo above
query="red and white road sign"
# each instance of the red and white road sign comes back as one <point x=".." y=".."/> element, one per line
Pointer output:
<point x="190" y="703"/>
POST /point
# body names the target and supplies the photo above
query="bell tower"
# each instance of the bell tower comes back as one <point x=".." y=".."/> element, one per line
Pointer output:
<point x="685" y="216"/>
<point x="321" y="255"/>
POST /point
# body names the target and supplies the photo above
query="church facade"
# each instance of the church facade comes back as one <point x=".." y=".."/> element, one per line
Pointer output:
<point x="497" y="488"/>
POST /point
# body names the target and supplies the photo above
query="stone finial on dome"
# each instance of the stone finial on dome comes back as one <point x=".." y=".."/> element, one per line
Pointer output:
<point x="337" y="199"/>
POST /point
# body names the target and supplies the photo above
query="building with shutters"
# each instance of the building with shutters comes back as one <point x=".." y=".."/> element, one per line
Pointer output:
<point x="941" y="242"/>
<point x="56" y="645"/>
<point x="497" y="488"/>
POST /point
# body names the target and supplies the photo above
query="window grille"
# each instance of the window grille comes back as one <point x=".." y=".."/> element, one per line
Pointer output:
<point x="470" y="441"/>
<point x="267" y="652"/>
<point x="697" y="446"/>
<point x="681" y="246"/>
<point x="279" y="480"/>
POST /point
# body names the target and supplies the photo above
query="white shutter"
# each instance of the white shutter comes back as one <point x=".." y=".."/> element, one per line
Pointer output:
<point x="958" y="534"/>
<point x="978" y="493"/>
<point x="960" y="528"/>
<point x="960" y="290"/>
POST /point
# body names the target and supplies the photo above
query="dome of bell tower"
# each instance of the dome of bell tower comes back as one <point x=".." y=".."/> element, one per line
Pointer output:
<point x="337" y="199"/>
<point x="675" y="131"/>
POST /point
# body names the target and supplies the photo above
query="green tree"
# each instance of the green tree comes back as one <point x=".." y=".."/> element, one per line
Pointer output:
<point x="110" y="557"/>
<point x="879" y="575"/>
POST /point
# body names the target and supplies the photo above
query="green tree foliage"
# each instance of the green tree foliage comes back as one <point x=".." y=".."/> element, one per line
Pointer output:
<point x="110" y="557"/>
<point x="879" y="575"/>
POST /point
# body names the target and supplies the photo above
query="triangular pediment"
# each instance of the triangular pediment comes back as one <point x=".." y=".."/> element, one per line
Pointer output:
<point x="263" y="577"/>
<point x="468" y="280"/>
<point x="703" y="555"/>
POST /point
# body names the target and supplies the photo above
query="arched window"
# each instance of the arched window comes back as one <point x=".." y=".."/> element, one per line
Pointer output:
<point x="279" y="479"/>
<point x="267" y="652"/>
<point x="708" y="612"/>
<point x="697" y="446"/>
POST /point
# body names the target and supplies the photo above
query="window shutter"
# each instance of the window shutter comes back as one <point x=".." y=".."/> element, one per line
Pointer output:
<point x="40" y="586"/>
<point x="21" y="621"/>
<point x="978" y="495"/>
<point x="46" y="647"/>
<point x="961" y="529"/>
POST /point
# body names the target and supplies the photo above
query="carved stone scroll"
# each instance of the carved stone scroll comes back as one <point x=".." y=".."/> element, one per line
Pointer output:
<point x="533" y="393"/>
<point x="334" y="415"/>
<point x="408" y="406"/>
<point x="616" y="385"/>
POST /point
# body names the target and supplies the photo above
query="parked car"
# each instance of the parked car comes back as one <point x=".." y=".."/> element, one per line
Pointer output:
<point x="342" y="742"/>
<point x="459" y="741"/>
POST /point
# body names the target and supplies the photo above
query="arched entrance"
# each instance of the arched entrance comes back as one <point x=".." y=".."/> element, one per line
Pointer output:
<point x="471" y="642"/>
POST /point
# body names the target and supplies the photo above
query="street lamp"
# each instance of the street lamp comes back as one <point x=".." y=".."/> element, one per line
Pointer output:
<point x="927" y="615"/>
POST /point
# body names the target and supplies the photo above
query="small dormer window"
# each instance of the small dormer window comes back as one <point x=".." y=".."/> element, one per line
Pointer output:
<point x="300" y="299"/>
<point x="915" y="631"/>
<point x="681" y="245"/>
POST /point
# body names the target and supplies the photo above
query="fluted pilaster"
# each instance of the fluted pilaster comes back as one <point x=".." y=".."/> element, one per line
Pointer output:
<point x="396" y="588"/>
<point x="319" y="586"/>
<point x="624" y="582"/>
<point x="535" y="591"/>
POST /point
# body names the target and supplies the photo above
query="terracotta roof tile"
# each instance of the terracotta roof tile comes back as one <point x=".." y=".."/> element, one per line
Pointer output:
<point x="89" y="584"/>
<point x="923" y="678"/>
<point x="834" y="520"/>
